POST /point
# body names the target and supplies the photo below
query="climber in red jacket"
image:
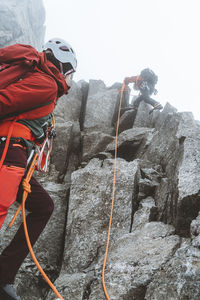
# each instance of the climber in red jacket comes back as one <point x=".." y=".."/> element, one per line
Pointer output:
<point x="145" y="83"/>
<point x="32" y="97"/>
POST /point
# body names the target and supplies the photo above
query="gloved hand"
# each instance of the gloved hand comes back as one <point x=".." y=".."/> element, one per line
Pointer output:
<point x="126" y="80"/>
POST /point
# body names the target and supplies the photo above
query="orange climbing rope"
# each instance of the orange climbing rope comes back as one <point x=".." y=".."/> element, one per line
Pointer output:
<point x="27" y="190"/>
<point x="113" y="196"/>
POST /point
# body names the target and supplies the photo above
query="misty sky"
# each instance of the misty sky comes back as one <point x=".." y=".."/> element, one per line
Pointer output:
<point x="118" y="38"/>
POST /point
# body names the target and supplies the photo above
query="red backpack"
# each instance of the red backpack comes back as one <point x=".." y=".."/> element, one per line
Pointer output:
<point x="17" y="60"/>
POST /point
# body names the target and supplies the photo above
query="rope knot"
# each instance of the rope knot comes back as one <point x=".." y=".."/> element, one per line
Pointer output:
<point x="26" y="186"/>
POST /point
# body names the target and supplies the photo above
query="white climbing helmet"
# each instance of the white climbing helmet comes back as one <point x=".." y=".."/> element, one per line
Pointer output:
<point x="62" y="51"/>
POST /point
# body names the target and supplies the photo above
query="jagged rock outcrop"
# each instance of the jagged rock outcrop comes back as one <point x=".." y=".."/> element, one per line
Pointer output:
<point x="22" y="22"/>
<point x="157" y="197"/>
<point x="67" y="149"/>
<point x="100" y="106"/>
<point x="155" y="233"/>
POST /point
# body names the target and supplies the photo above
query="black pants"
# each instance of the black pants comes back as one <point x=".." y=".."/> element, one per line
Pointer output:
<point x="40" y="207"/>
<point x="144" y="97"/>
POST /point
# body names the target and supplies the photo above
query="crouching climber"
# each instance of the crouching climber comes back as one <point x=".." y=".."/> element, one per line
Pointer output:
<point x="145" y="84"/>
<point x="31" y="85"/>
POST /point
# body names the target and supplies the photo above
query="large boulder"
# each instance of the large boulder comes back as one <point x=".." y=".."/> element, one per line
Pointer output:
<point x="179" y="278"/>
<point x="67" y="144"/>
<point x="89" y="210"/>
<point x="93" y="143"/>
<point x="88" y="218"/>
<point x="100" y="106"/>
<point x="133" y="261"/>
<point x="68" y="106"/>
<point x="176" y="148"/>
<point x="132" y="143"/>
<point x="143" y="118"/>
<point x="66" y="150"/>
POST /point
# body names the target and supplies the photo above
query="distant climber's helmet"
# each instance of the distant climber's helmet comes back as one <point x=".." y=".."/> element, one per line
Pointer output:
<point x="64" y="53"/>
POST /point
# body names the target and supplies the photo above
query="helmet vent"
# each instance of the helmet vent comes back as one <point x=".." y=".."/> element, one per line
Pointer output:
<point x="58" y="42"/>
<point x="64" y="48"/>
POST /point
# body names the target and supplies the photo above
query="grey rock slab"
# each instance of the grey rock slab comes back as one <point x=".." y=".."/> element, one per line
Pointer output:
<point x="66" y="149"/>
<point x="159" y="118"/>
<point x="195" y="232"/>
<point x="100" y="106"/>
<point x="84" y="86"/>
<point x="72" y="286"/>
<point x="89" y="210"/>
<point x="179" y="279"/>
<point x="94" y="143"/>
<point x="134" y="259"/>
<point x="132" y="143"/>
<point x="176" y="148"/>
<point x="143" y="119"/>
<point x="68" y="106"/>
<point x="143" y="214"/>
<point x="64" y="136"/>
<point x="127" y="120"/>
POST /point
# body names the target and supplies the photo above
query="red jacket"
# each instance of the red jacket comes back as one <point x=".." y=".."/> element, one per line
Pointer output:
<point x="43" y="84"/>
<point x="134" y="79"/>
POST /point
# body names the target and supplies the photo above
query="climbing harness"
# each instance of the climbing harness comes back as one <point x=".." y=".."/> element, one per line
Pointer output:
<point x="113" y="195"/>
<point x="43" y="159"/>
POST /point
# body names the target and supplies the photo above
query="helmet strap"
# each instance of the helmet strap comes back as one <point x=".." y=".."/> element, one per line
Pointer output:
<point x="61" y="68"/>
<point x="62" y="71"/>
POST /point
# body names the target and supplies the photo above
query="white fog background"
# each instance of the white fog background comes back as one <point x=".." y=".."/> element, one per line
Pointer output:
<point x="118" y="38"/>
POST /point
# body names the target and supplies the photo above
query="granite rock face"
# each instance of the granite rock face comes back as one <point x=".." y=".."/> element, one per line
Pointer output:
<point x="176" y="148"/>
<point x="22" y="22"/>
<point x="100" y="106"/>
<point x="155" y="227"/>
<point x="155" y="232"/>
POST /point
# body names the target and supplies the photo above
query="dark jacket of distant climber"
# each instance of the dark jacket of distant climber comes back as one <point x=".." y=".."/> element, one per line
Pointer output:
<point x="145" y="84"/>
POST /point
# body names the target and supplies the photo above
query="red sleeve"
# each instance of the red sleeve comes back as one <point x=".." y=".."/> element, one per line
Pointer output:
<point x="132" y="79"/>
<point x="35" y="89"/>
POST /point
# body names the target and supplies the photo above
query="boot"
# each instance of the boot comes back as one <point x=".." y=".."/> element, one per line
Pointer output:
<point x="156" y="106"/>
<point x="7" y="292"/>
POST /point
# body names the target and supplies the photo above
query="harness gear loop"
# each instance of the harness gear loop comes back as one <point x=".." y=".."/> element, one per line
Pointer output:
<point x="47" y="145"/>
<point x="27" y="190"/>
<point x="26" y="185"/>
<point x="113" y="195"/>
